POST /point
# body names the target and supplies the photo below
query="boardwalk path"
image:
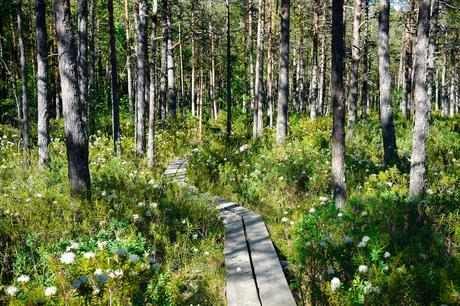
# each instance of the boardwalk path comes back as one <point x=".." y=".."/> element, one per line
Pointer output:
<point x="254" y="273"/>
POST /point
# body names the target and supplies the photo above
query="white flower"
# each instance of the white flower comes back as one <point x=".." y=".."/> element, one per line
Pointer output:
<point x="348" y="240"/>
<point x="104" y="193"/>
<point x="284" y="219"/>
<point x="153" y="205"/>
<point x="312" y="210"/>
<point x="292" y="223"/>
<point x="136" y="217"/>
<point x="38" y="195"/>
<point x="244" y="147"/>
<point x="205" y="253"/>
<point x="335" y="283"/>
<point x="386" y="255"/>
<point x="116" y="273"/>
<point x="281" y="178"/>
<point x="151" y="182"/>
<point x="362" y="268"/>
<point x="364" y="213"/>
<point x="88" y="255"/>
<point x="308" y="244"/>
<point x="285" y="212"/>
<point x="183" y="221"/>
<point x="340" y="215"/>
<point x="195" y="250"/>
<point x="12" y="290"/>
<point x="361" y="244"/>
<point x="330" y="271"/>
<point x="121" y="252"/>
<point x="67" y="258"/>
<point x="323" y="199"/>
<point x="140" y="204"/>
<point x="133" y="258"/>
<point x="365" y="239"/>
<point x="74" y="245"/>
<point x="23" y="278"/>
<point x="101" y="245"/>
<point x="50" y="291"/>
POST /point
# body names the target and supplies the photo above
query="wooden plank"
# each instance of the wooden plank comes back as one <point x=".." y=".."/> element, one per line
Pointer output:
<point x="241" y="287"/>
<point x="271" y="282"/>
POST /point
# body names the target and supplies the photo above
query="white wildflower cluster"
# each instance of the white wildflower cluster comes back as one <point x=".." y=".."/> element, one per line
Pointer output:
<point x="312" y="210"/>
<point x="335" y="284"/>
<point x="363" y="242"/>
<point x="369" y="288"/>
<point x="23" y="279"/>
<point x="67" y="258"/>
<point x="362" y="269"/>
<point x="50" y="291"/>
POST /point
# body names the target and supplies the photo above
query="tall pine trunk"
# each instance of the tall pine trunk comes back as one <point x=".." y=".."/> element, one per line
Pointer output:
<point x="422" y="105"/>
<point x="314" y="71"/>
<point x="390" y="151"/>
<point x="114" y="83"/>
<point x="338" y="104"/>
<point x="432" y="50"/>
<point x="408" y="61"/>
<point x="128" y="55"/>
<point x="229" y="76"/>
<point x="192" y="59"/>
<point x="259" y="84"/>
<point x="364" y="85"/>
<point x="92" y="65"/>
<point x="141" y="60"/>
<point x="355" y="55"/>
<point x="171" y="94"/>
<point x="83" y="54"/>
<point x="74" y="126"/>
<point x="283" y="85"/>
<point x="152" y="104"/>
<point x="42" y="83"/>
<point x="24" y="77"/>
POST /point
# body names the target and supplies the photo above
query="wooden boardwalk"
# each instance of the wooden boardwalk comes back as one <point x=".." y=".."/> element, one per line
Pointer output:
<point x="254" y="273"/>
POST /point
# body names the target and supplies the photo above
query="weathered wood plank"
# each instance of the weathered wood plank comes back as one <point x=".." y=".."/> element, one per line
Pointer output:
<point x="270" y="279"/>
<point x="241" y="287"/>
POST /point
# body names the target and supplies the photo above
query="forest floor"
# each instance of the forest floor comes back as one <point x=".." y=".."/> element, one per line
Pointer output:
<point x="143" y="239"/>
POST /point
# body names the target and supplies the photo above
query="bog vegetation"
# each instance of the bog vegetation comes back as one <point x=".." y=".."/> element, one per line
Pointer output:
<point x="345" y="139"/>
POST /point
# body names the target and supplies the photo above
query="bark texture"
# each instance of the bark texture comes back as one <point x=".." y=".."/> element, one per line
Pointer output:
<point x="390" y="152"/>
<point x="83" y="54"/>
<point x="355" y="56"/>
<point x="338" y="104"/>
<point x="283" y="85"/>
<point x="422" y="109"/>
<point x="141" y="60"/>
<point x="74" y="126"/>
<point x="42" y="83"/>
<point x="114" y="83"/>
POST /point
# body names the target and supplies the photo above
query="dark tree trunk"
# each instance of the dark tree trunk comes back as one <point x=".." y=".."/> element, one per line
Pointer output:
<point x="407" y="84"/>
<point x="92" y="55"/>
<point x="74" y="126"/>
<point x="114" y="83"/>
<point x="170" y="60"/>
<point x="42" y="83"/>
<point x="128" y="56"/>
<point x="152" y="104"/>
<point x="390" y="151"/>
<point x="283" y="85"/>
<point x="24" y="77"/>
<point x="338" y="104"/>
<point x="355" y="54"/>
<point x="141" y="60"/>
<point x="192" y="59"/>
<point x="229" y="77"/>
<point x="422" y="105"/>
<point x="364" y="86"/>
<point x="83" y="54"/>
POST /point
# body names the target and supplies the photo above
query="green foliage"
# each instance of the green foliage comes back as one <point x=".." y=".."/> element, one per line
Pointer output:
<point x="140" y="240"/>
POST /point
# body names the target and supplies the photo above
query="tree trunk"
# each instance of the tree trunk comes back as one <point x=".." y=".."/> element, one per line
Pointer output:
<point x="74" y="126"/>
<point x="229" y="76"/>
<point x="42" y="83"/>
<point x="322" y="80"/>
<point x="259" y="87"/>
<point x="390" y="151"/>
<point x="444" y="102"/>
<point x="141" y="60"/>
<point x="314" y="71"/>
<point x="83" y="54"/>
<point x="192" y="60"/>
<point x="338" y="104"/>
<point x="422" y="109"/>
<point x="407" y="85"/>
<point x="128" y="55"/>
<point x="181" y="66"/>
<point x="114" y="84"/>
<point x="152" y="104"/>
<point x="212" y="75"/>
<point x="92" y="65"/>
<point x="163" y="80"/>
<point x="24" y="77"/>
<point x="355" y="55"/>
<point x="364" y="86"/>
<point x="283" y="85"/>
<point x="432" y="49"/>
<point x="170" y="59"/>
<point x="251" y="52"/>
